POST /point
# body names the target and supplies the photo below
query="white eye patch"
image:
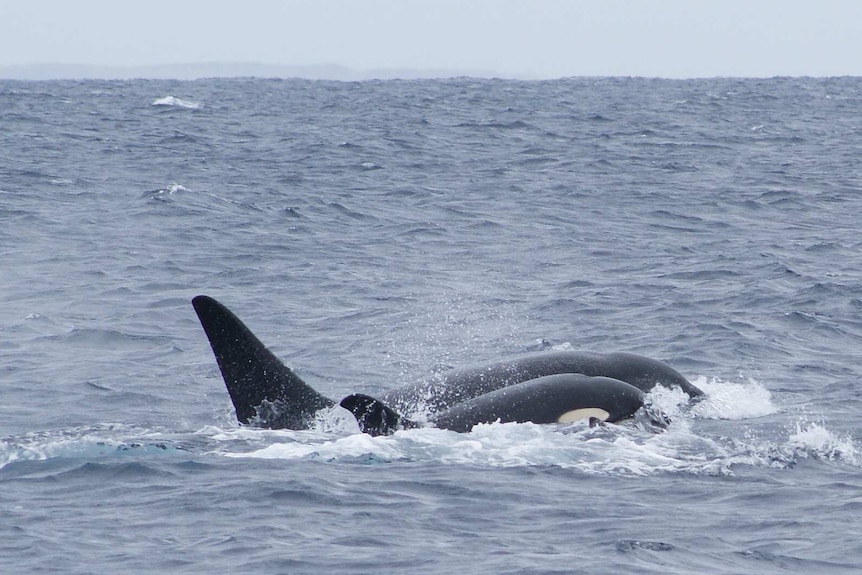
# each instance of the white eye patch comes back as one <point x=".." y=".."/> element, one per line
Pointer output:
<point x="585" y="413"/>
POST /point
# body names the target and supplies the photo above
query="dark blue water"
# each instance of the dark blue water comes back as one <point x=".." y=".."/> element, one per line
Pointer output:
<point x="373" y="233"/>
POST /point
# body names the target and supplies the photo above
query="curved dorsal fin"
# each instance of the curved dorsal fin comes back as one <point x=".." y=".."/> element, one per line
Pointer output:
<point x="255" y="377"/>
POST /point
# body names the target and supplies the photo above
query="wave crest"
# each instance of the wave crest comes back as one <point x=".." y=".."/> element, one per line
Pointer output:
<point x="175" y="102"/>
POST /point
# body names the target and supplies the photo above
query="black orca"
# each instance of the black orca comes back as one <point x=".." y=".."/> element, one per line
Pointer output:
<point x="542" y="387"/>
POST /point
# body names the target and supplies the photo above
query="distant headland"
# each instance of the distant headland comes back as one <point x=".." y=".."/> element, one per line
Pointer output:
<point x="193" y="71"/>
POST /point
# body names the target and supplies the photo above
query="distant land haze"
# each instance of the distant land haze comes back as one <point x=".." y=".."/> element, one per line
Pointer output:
<point x="226" y="70"/>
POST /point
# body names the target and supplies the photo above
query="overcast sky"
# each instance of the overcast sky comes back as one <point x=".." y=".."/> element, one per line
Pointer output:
<point x="518" y="38"/>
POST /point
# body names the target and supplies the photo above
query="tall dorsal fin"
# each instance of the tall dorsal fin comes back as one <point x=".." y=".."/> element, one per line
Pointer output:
<point x="253" y="375"/>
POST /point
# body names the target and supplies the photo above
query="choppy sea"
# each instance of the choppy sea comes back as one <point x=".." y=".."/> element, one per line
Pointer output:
<point x="375" y="233"/>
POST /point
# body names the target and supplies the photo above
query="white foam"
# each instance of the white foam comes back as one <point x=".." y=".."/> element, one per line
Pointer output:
<point x="176" y="102"/>
<point x="71" y="443"/>
<point x="733" y="400"/>
<point x="607" y="450"/>
<point x="166" y="194"/>
<point x="613" y="450"/>
<point x="812" y="439"/>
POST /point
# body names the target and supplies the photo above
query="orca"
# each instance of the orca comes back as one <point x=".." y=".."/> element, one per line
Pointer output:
<point x="558" y="398"/>
<point x="541" y="387"/>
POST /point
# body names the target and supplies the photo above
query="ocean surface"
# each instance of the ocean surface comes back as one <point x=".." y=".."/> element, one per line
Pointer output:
<point x="374" y="233"/>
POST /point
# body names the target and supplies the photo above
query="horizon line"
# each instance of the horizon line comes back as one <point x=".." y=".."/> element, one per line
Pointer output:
<point x="46" y="71"/>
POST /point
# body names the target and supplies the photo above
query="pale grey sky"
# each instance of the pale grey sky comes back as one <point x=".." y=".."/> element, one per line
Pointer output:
<point x="526" y="38"/>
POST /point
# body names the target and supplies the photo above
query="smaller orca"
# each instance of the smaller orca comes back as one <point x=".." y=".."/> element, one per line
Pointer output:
<point x="543" y="387"/>
<point x="559" y="398"/>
